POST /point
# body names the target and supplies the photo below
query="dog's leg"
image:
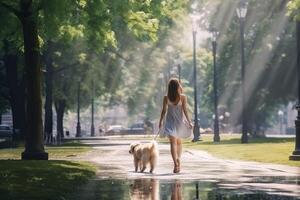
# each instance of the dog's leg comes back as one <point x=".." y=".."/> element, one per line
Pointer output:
<point x="141" y="165"/>
<point x="144" y="165"/>
<point x="153" y="158"/>
<point x="143" y="169"/>
<point x="152" y="164"/>
<point x="136" y="164"/>
<point x="153" y="161"/>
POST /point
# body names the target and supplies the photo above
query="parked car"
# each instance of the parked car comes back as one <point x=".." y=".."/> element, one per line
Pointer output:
<point x="136" y="128"/>
<point x="115" y="129"/>
<point x="6" y="131"/>
<point x="137" y="125"/>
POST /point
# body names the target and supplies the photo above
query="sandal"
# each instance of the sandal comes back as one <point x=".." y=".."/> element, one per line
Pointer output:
<point x="177" y="166"/>
<point x="176" y="169"/>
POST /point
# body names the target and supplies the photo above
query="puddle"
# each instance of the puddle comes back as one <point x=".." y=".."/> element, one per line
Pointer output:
<point x="279" y="188"/>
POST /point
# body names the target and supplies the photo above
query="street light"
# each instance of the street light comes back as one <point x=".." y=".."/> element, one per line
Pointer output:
<point x="296" y="153"/>
<point x="161" y="77"/>
<point x="214" y="35"/>
<point x="195" y="19"/>
<point x="178" y="61"/>
<point x="241" y="12"/>
<point x="169" y="51"/>
<point x="78" y="128"/>
<point x="92" y="124"/>
<point x="280" y="117"/>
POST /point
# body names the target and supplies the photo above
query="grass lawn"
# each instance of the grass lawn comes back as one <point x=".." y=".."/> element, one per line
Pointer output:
<point x="43" y="179"/>
<point x="64" y="151"/>
<point x="268" y="150"/>
<point x="53" y="179"/>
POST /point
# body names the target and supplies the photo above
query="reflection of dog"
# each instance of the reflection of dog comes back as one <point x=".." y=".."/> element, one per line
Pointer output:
<point x="144" y="154"/>
<point x="147" y="189"/>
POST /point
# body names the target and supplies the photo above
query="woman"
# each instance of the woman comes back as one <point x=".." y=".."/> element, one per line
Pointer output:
<point x="177" y="124"/>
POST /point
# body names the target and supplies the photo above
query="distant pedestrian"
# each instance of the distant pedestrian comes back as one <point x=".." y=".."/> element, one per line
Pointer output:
<point x="177" y="123"/>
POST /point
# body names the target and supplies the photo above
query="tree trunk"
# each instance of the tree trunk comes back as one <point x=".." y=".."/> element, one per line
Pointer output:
<point x="49" y="86"/>
<point x="18" y="112"/>
<point x="16" y="92"/>
<point x="34" y="147"/>
<point x="60" y="110"/>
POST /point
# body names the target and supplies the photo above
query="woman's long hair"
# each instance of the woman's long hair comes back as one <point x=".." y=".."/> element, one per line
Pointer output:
<point x="173" y="87"/>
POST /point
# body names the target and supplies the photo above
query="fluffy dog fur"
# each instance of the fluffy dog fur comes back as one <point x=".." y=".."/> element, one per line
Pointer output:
<point x="144" y="154"/>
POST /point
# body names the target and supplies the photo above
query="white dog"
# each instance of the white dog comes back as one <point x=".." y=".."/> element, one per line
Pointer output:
<point x="144" y="154"/>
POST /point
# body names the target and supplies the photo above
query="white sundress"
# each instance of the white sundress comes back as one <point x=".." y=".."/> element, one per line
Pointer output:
<point x="175" y="123"/>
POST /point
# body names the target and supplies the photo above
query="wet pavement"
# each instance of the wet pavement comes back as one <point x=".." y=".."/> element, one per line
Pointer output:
<point x="202" y="176"/>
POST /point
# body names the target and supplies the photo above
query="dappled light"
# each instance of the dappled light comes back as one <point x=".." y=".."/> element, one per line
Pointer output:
<point x="205" y="92"/>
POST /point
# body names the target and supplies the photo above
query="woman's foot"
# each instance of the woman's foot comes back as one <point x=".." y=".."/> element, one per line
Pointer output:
<point x="176" y="169"/>
<point x="177" y="166"/>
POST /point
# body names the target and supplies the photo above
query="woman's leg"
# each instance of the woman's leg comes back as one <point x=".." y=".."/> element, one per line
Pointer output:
<point x="173" y="145"/>
<point x="179" y="148"/>
<point x="179" y="151"/>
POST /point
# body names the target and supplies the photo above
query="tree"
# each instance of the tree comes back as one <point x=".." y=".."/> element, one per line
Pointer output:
<point x="27" y="15"/>
<point x="270" y="54"/>
<point x="100" y="20"/>
<point x="13" y="86"/>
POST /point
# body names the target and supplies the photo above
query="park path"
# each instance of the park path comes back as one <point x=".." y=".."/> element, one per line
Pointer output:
<point x="115" y="162"/>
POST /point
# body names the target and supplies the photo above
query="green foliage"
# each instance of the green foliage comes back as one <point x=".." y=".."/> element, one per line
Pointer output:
<point x="121" y="47"/>
<point x="107" y="31"/>
<point x="294" y="9"/>
<point x="270" y="60"/>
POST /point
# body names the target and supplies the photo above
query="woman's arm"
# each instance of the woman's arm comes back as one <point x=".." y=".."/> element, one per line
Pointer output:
<point x="163" y="111"/>
<point x="184" y="107"/>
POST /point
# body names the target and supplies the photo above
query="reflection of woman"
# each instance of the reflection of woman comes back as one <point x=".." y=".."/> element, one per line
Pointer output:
<point x="177" y="124"/>
<point x="176" y="191"/>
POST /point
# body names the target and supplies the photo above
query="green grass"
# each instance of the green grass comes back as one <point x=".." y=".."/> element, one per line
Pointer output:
<point x="267" y="150"/>
<point x="64" y="151"/>
<point x="53" y="179"/>
<point x="43" y="179"/>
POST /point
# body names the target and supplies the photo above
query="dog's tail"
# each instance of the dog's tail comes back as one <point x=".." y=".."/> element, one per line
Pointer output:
<point x="154" y="144"/>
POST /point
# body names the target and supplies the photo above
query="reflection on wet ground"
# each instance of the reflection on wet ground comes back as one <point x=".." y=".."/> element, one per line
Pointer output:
<point x="203" y="176"/>
<point x="279" y="188"/>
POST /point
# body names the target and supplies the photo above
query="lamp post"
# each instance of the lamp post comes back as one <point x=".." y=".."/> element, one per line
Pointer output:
<point x="296" y="153"/>
<point x="161" y="77"/>
<point x="179" y="72"/>
<point x="169" y="51"/>
<point x="214" y="35"/>
<point x="78" y="128"/>
<point x="178" y="63"/>
<point x="197" y="191"/>
<point x="195" y="18"/>
<point x="241" y="12"/>
<point x="280" y="118"/>
<point x="92" y="123"/>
